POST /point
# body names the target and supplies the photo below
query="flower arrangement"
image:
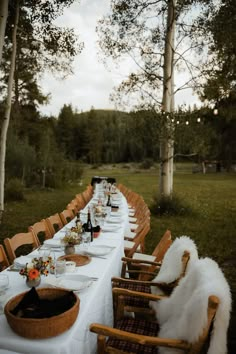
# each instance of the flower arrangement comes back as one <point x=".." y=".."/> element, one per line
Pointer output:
<point x="37" y="267"/>
<point x="71" y="238"/>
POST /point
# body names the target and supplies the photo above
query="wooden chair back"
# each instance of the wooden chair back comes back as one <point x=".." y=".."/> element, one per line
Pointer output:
<point x="66" y="216"/>
<point x="18" y="240"/>
<point x="41" y="230"/>
<point x="54" y="223"/>
<point x="4" y="263"/>
<point x="159" y="253"/>
<point x="139" y="240"/>
<point x="162" y="246"/>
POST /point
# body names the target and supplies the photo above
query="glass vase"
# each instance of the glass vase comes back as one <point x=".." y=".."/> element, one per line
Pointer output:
<point x="69" y="249"/>
<point x="33" y="282"/>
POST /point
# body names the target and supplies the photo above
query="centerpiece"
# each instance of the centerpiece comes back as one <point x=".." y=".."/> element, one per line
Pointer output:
<point x="72" y="238"/>
<point x="32" y="271"/>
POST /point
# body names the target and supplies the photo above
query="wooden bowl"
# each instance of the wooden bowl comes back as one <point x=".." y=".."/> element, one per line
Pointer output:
<point x="35" y="328"/>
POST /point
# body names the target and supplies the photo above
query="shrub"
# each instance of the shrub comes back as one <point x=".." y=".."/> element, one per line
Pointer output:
<point x="14" y="190"/>
<point x="146" y="164"/>
<point x="170" y="206"/>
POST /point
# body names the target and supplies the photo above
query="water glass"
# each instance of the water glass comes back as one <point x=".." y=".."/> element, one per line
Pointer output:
<point x="86" y="239"/>
<point x="60" y="267"/>
<point x="4" y="283"/>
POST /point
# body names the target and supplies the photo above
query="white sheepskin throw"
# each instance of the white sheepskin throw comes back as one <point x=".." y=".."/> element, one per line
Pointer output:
<point x="171" y="267"/>
<point x="184" y="314"/>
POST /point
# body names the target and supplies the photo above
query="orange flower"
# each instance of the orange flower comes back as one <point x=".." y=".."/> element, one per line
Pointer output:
<point x="33" y="273"/>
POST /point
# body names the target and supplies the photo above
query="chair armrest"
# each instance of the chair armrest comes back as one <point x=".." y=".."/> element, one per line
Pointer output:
<point x="140" y="261"/>
<point x="137" y="338"/>
<point x="148" y="296"/>
<point x="143" y="282"/>
<point x="132" y="281"/>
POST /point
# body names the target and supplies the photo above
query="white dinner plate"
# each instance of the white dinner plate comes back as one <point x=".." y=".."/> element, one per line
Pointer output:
<point x="110" y="228"/>
<point x="114" y="221"/>
<point x="52" y="243"/>
<point x="74" y="282"/>
<point x="97" y="250"/>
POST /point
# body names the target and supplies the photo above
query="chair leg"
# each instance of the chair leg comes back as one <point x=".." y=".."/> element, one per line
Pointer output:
<point x="101" y="344"/>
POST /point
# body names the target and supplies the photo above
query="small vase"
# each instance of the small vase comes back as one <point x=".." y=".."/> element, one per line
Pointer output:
<point x="69" y="249"/>
<point x="33" y="282"/>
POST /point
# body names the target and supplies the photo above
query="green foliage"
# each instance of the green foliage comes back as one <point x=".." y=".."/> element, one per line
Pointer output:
<point x="14" y="190"/>
<point x="170" y="206"/>
<point x="146" y="164"/>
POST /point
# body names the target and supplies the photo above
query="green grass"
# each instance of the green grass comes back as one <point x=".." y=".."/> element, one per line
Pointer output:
<point x="212" y="197"/>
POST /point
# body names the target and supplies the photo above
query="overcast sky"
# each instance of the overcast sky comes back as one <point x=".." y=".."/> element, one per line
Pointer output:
<point x="91" y="83"/>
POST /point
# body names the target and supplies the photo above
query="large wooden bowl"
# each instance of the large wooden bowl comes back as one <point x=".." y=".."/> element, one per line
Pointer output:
<point x="35" y="328"/>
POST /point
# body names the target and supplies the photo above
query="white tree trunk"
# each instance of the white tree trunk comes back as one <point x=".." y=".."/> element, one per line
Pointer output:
<point x="3" y="21"/>
<point x="167" y="143"/>
<point x="6" y="117"/>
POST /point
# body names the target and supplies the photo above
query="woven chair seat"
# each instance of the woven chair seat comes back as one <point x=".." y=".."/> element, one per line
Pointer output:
<point x="135" y="301"/>
<point x="142" y="327"/>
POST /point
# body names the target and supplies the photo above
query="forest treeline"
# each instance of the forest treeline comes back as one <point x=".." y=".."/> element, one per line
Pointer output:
<point x="48" y="151"/>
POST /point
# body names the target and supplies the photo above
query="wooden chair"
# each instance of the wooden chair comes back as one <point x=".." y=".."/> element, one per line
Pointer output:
<point x="194" y="318"/>
<point x="54" y="223"/>
<point x="80" y="200"/>
<point x="21" y="239"/>
<point x="41" y="230"/>
<point x="4" y="263"/>
<point x="146" y="262"/>
<point x="141" y="306"/>
<point x="176" y="262"/>
<point x="75" y="206"/>
<point x="138" y="243"/>
<point x="66" y="216"/>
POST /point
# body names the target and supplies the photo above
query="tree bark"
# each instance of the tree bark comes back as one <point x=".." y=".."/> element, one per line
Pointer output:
<point x="3" y="21"/>
<point x="166" y="141"/>
<point x="7" y="113"/>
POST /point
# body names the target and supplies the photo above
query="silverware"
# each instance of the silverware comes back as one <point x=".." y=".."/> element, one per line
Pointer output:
<point x="11" y="269"/>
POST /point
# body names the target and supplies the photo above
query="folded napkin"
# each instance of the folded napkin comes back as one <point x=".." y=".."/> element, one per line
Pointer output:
<point x="21" y="261"/>
<point x="31" y="306"/>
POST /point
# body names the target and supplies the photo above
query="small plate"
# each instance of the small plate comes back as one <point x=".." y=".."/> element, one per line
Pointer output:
<point x="98" y="250"/>
<point x="79" y="259"/>
<point x="75" y="282"/>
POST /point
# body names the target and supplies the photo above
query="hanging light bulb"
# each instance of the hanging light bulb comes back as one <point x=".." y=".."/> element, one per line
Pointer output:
<point x="177" y="122"/>
<point x="187" y="122"/>
<point x="215" y="111"/>
<point x="198" y="119"/>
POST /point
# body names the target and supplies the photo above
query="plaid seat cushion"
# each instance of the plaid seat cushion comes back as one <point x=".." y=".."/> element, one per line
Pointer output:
<point x="142" y="327"/>
<point x="135" y="301"/>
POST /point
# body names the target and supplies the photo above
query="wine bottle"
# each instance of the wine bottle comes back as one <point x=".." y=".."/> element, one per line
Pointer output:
<point x="109" y="200"/>
<point x="88" y="225"/>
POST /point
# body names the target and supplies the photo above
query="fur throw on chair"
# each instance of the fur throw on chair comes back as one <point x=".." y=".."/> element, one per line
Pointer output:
<point x="184" y="314"/>
<point x="172" y="265"/>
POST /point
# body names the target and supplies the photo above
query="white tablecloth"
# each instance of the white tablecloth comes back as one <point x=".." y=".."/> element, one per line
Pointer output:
<point x="95" y="302"/>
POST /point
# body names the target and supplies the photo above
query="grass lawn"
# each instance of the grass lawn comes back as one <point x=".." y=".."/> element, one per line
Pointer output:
<point x="211" y="198"/>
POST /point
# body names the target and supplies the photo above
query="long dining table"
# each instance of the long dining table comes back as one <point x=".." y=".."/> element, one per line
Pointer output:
<point x="95" y="301"/>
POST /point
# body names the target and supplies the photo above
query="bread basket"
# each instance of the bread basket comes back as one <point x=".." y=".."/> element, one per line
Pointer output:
<point x="35" y="328"/>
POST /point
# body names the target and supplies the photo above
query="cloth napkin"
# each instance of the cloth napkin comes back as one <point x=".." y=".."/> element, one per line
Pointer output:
<point x="21" y="261"/>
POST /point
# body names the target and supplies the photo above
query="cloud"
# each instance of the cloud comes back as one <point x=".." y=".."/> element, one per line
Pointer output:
<point x="92" y="83"/>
